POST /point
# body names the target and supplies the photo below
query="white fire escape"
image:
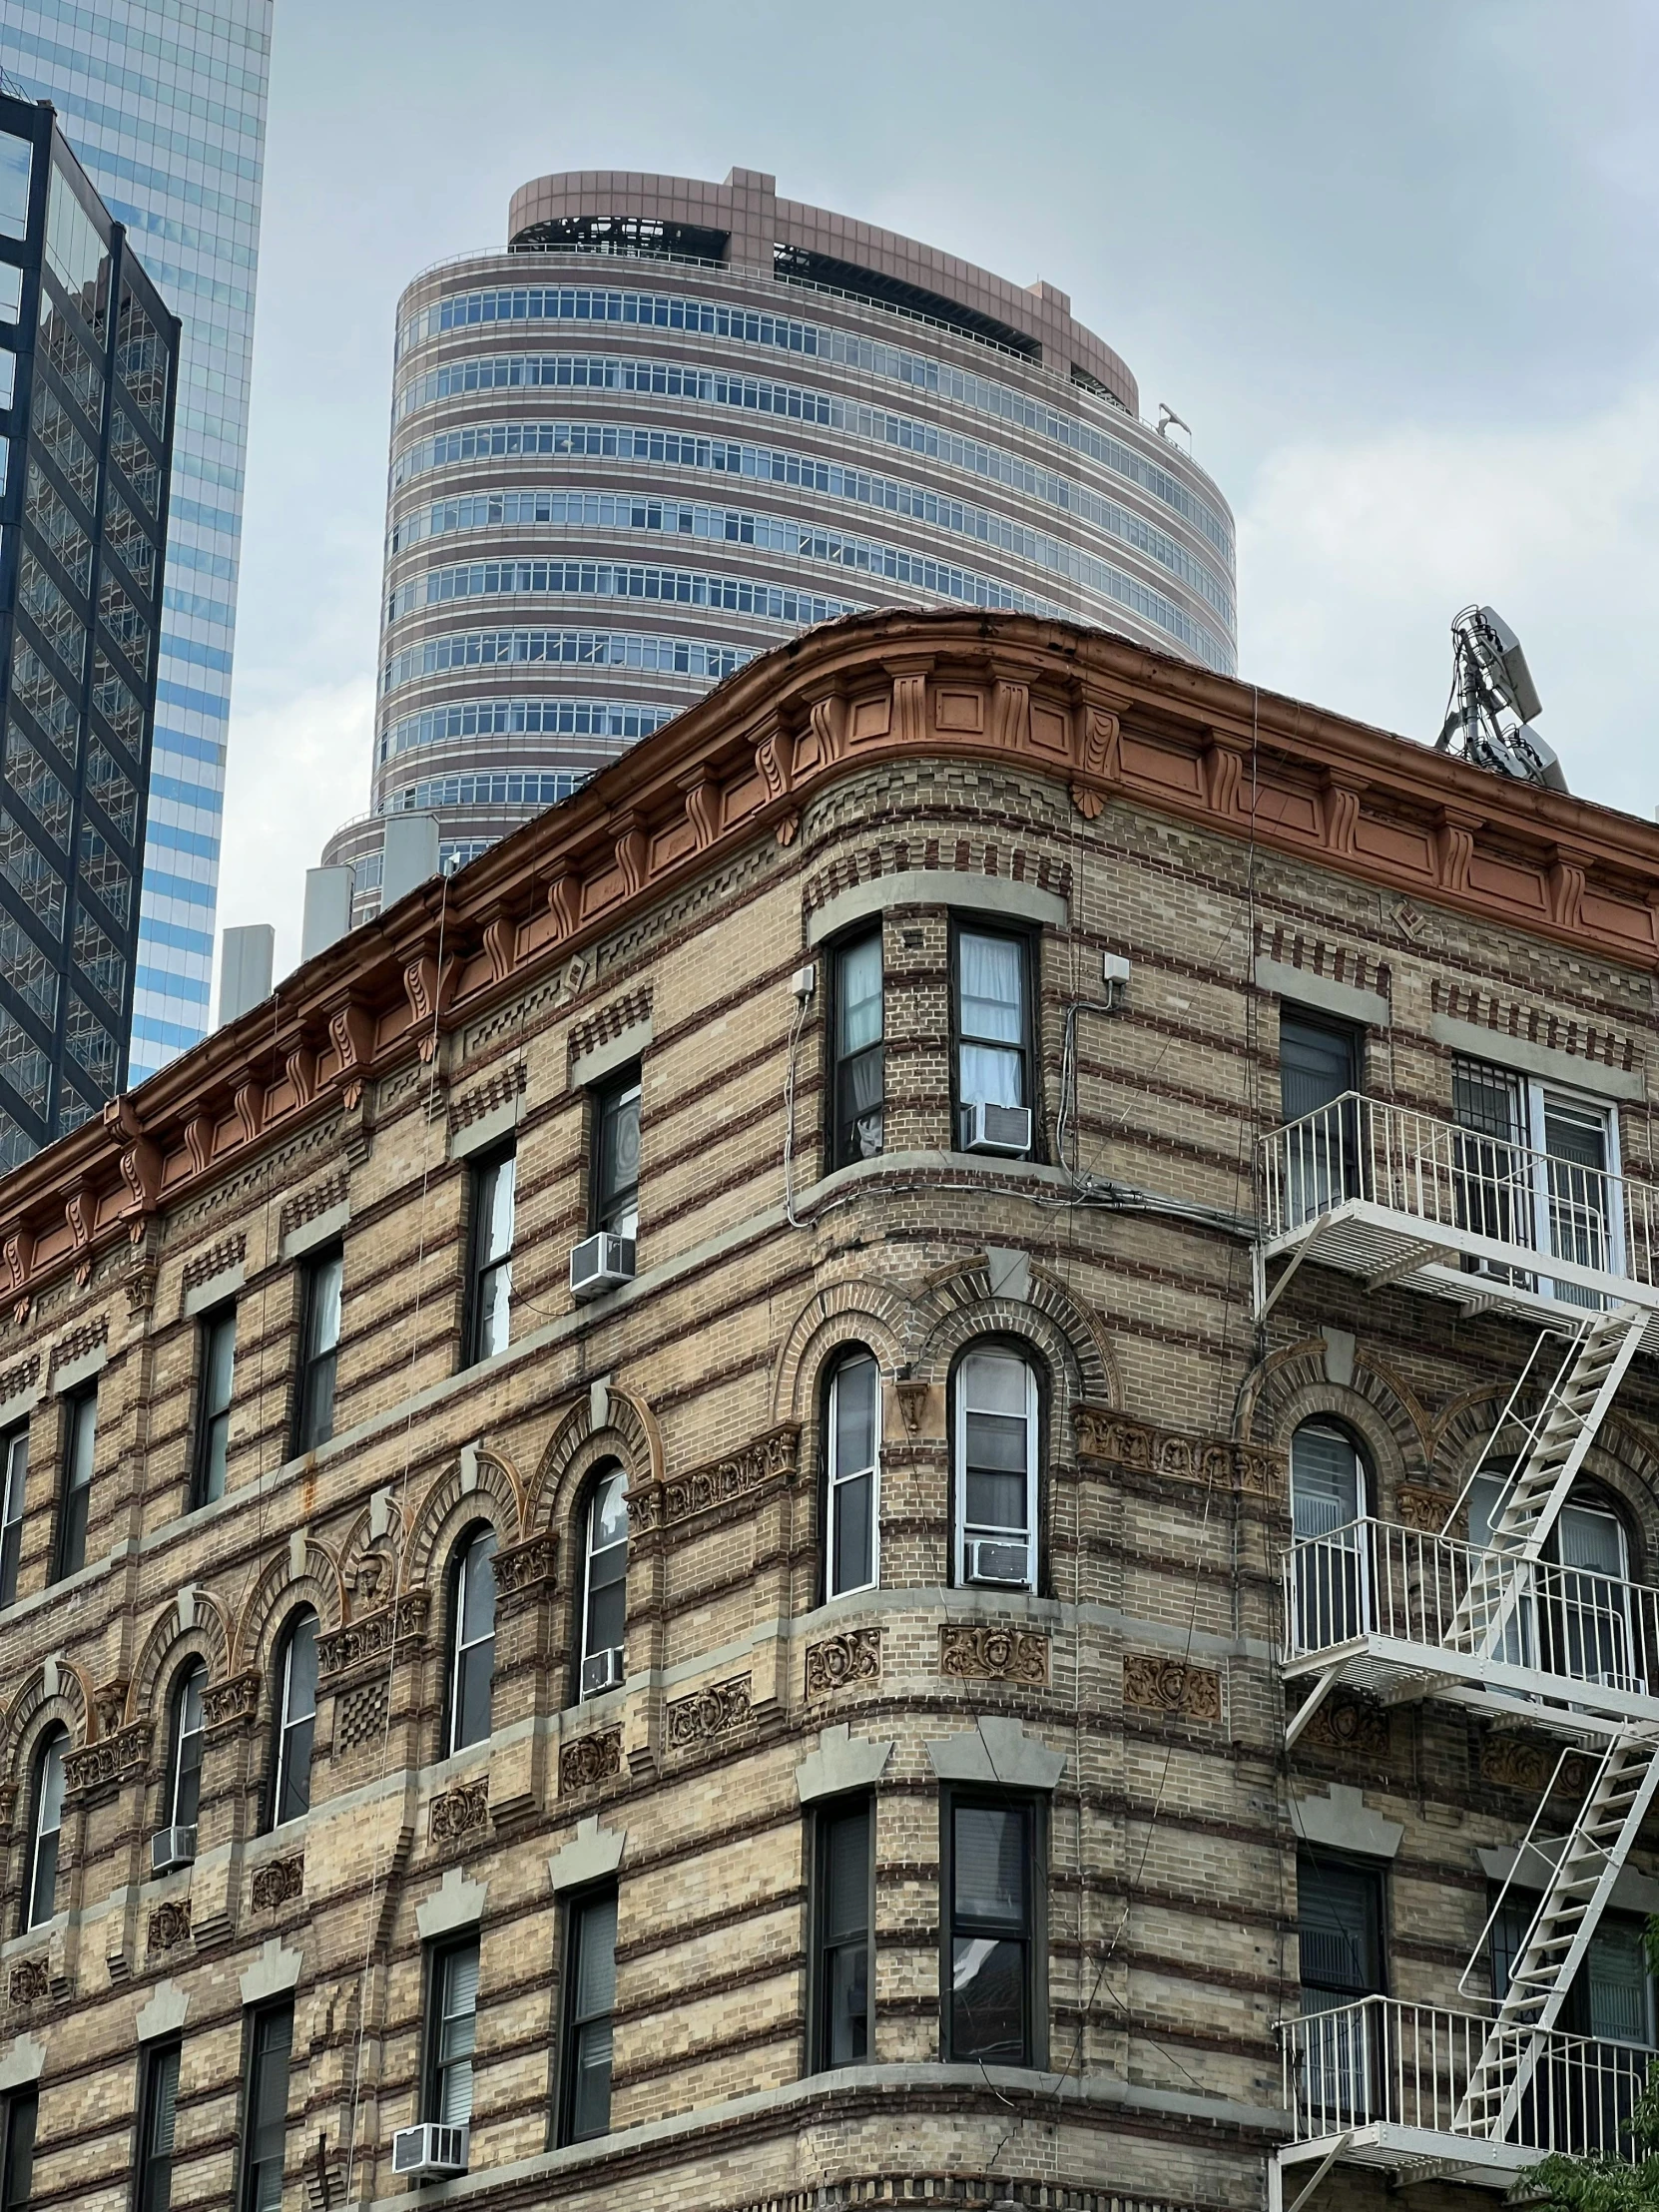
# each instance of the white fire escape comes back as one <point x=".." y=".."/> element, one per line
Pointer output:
<point x="1395" y="1197"/>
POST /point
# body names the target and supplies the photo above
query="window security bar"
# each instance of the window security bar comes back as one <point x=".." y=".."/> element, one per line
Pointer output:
<point x="1515" y="1216"/>
<point x="1383" y="2063"/>
<point x="1529" y="1626"/>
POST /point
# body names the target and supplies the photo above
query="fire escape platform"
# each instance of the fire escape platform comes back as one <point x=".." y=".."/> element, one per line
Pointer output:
<point x="1397" y="1671"/>
<point x="1410" y="2154"/>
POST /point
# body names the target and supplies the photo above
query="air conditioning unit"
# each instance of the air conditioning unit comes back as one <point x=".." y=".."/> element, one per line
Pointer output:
<point x="996" y="1559"/>
<point x="170" y="1847"/>
<point x="431" y="2150"/>
<point x="602" y="1672"/>
<point x="992" y="1128"/>
<point x="600" y="1263"/>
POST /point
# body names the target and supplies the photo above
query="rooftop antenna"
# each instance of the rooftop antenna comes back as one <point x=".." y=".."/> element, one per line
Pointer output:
<point x="1490" y="684"/>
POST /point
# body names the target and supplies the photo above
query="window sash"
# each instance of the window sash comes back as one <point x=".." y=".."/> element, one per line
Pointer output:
<point x="845" y="1839"/>
<point x="1339" y="1928"/>
<point x="494" y="1201"/>
<point x="185" y="1794"/>
<point x="46" y="1828"/>
<point x="266" y="2131"/>
<point x="856" y="1081"/>
<point x="853" y="1530"/>
<point x="17" y="2169"/>
<point x="991" y="1930"/>
<point x="454" y="2032"/>
<point x="161" y="2096"/>
<point x="616" y="1181"/>
<point x="992" y="998"/>
<point x="325" y="1280"/>
<point x="605" y="1573"/>
<point x="590" y="1999"/>
<point x="16" y="1449"/>
<point x="80" y="1446"/>
<point x="474" y="1644"/>
<point x="212" y="1420"/>
<point x="297" y="1723"/>
<point x="992" y="1471"/>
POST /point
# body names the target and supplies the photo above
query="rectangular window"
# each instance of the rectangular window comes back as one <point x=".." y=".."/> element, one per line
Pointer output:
<point x="320" y="1349"/>
<point x="490" y="1275"/>
<point x="17" y="157"/>
<point x="996" y="1433"/>
<point x="1539" y="1167"/>
<point x="80" y="1438"/>
<point x="265" y="2118"/>
<point x="451" y="2033"/>
<point x="993" y="1963"/>
<point x="14" y="1470"/>
<point x="1340" y="1932"/>
<point x="218" y="1342"/>
<point x="1318" y="1064"/>
<point x="853" y="1487"/>
<point x="991" y="1046"/>
<point x="17" y="2154"/>
<point x="155" y="2116"/>
<point x="843" y="1881"/>
<point x="590" y="1999"/>
<point x="856" y="1086"/>
<point x="616" y="1155"/>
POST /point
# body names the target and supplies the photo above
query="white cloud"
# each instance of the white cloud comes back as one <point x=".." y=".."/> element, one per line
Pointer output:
<point x="1354" y="556"/>
<point x="299" y="768"/>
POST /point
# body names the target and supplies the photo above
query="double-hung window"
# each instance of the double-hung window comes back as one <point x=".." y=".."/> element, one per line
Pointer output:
<point x="1319" y="1067"/>
<point x="490" y="1275"/>
<point x="1340" y="1939"/>
<point x="1330" y="1585"/>
<point x="996" y="1449"/>
<point x="590" y="1999"/>
<point x="157" y="2109"/>
<point x="452" y="2034"/>
<point x="319" y="1350"/>
<point x="993" y="1964"/>
<point x="842" y="1913"/>
<point x="80" y="1441"/>
<point x="212" y="1406"/>
<point x="474" y="1630"/>
<point x="616" y="1155"/>
<point x="290" y="1795"/>
<point x="14" y="1470"/>
<point x="1537" y="1167"/>
<point x="853" y="1475"/>
<point x="17" y="2150"/>
<point x="991" y="998"/>
<point x="46" y="1821"/>
<point x="855" y="1087"/>
<point x="266" y="2115"/>
<point x="183" y="1769"/>
<point x="605" y="1583"/>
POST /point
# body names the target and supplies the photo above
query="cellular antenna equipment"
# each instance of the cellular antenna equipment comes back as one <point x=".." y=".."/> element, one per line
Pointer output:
<point x="1494" y="702"/>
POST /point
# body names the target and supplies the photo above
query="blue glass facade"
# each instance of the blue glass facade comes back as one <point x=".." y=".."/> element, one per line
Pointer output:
<point x="165" y="103"/>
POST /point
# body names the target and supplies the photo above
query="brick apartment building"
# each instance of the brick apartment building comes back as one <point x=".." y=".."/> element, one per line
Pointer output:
<point x="832" y="1714"/>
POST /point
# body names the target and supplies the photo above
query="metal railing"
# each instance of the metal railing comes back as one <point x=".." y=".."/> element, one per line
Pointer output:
<point x="1479" y="1187"/>
<point x="1377" y="1579"/>
<point x="1381" y="2060"/>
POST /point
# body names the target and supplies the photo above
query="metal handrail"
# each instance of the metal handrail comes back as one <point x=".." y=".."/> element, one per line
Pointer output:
<point x="1442" y="1176"/>
<point x="1380" y="2059"/>
<point x="1378" y="1578"/>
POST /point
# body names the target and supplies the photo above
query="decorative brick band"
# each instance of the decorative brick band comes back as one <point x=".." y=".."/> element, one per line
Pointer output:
<point x="307" y="1205"/>
<point x="609" y="1021"/>
<point x="80" y="1341"/>
<point x="770" y="1459"/>
<point x="219" y="1259"/>
<point x="108" y="1760"/>
<point x="1211" y="1460"/>
<point x="484" y="1098"/>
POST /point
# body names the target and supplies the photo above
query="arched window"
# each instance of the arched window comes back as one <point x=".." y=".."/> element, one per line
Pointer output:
<point x="853" y="1475"/>
<point x="994" y="1421"/>
<point x="291" y="1794"/>
<point x="472" y="1640"/>
<point x="1330" y="1497"/>
<point x="1578" y="1616"/>
<point x="184" y="1761"/>
<point x="603" y="1581"/>
<point x="45" y="1821"/>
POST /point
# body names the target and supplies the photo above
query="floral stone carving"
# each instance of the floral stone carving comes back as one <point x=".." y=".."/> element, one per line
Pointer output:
<point x="590" y="1761"/>
<point x="1160" y="1685"/>
<point x="169" y="1926"/>
<point x="854" y="1657"/>
<point x="712" y="1712"/>
<point x="461" y="1812"/>
<point x="971" y="1653"/>
<point x="279" y="1883"/>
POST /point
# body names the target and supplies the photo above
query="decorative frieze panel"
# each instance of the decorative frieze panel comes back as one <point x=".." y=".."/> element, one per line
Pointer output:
<point x="169" y="1927"/>
<point x="841" y="1660"/>
<point x="716" y="1711"/>
<point x="79" y="1342"/>
<point x="306" y="1205"/>
<point x="975" y="1653"/>
<point x="1156" y="1683"/>
<point x="107" y="1763"/>
<point x="589" y="1761"/>
<point x="30" y="1982"/>
<point x="1528" y="1764"/>
<point x="1207" y="1461"/>
<point x="1420" y="1509"/>
<point x="770" y="1459"/>
<point x="1349" y="1724"/>
<point x="219" y="1259"/>
<point x="460" y="1812"/>
<point x="524" y="1572"/>
<point x="231" y="1704"/>
<point x="278" y="1882"/>
<point x="360" y="1643"/>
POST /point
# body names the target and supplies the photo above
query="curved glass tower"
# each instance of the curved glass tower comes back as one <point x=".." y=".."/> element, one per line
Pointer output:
<point x="674" y="422"/>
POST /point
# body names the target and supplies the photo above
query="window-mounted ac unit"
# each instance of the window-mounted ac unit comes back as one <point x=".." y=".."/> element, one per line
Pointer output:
<point x="434" y="2148"/>
<point x="995" y="1560"/>
<point x="600" y="1263"/>
<point x="603" y="1671"/>
<point x="170" y="1847"/>
<point x="994" y="1128"/>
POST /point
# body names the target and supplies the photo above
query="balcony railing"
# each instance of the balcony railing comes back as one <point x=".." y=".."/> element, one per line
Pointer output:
<point x="1391" y="1193"/>
<point x="1387" y="1601"/>
<point x="1378" y="2065"/>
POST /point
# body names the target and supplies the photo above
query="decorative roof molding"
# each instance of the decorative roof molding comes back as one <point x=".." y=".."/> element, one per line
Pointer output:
<point x="1103" y="718"/>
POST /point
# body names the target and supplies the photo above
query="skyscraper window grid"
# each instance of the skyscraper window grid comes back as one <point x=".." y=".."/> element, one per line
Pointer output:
<point x="165" y="103"/>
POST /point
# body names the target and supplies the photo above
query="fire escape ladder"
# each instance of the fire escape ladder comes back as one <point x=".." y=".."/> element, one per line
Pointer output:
<point x="1563" y="1431"/>
<point x="1555" y="1944"/>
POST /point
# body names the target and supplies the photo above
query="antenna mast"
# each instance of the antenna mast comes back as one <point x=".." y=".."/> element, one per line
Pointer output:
<point x="1490" y="684"/>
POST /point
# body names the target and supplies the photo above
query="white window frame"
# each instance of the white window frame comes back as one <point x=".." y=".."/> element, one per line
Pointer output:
<point x="461" y="1646"/>
<point x="837" y="1475"/>
<point x="55" y="1748"/>
<point x="196" y="1671"/>
<point x="289" y="1722"/>
<point x="959" y="1483"/>
<point x="1534" y="1096"/>
<point x="588" y="1649"/>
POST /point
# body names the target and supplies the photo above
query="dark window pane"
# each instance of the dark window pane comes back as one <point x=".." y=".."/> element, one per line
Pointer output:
<point x="160" y="2094"/>
<point x="987" y="1998"/>
<point x="1317" y="1063"/>
<point x="17" y="2183"/>
<point x="297" y="1723"/>
<point x="854" y="1413"/>
<point x="218" y="1345"/>
<point x="16" y="1465"/>
<point x="991" y="1932"/>
<point x="268" y="2109"/>
<point x="187" y="1749"/>
<point x="618" y="1162"/>
<point x="1339" y="1926"/>
<point x="844" y="1877"/>
<point x="48" y="1819"/>
<point x="606" y="1601"/>
<point x="493" y="1196"/>
<point x="323" y="1319"/>
<point x="474" y="1642"/>
<point x="991" y="1866"/>
<point x="857" y="1084"/>
<point x="77" y="1457"/>
<point x="592" y="1968"/>
<point x="457" y="1979"/>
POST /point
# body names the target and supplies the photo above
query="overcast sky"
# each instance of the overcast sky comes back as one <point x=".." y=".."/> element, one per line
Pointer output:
<point x="1396" y="266"/>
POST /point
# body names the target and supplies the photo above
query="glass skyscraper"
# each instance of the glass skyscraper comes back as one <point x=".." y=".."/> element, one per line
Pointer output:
<point x="165" y="103"/>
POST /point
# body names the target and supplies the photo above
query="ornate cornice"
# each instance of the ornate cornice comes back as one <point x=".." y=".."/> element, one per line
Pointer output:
<point x="1102" y="718"/>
